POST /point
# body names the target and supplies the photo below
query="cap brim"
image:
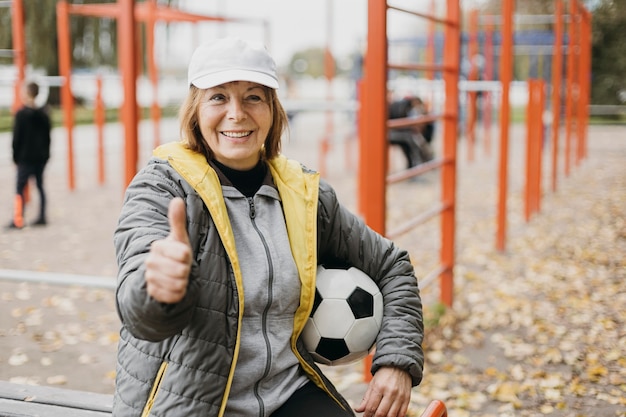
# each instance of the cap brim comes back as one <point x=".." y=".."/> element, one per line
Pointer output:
<point x="215" y="79"/>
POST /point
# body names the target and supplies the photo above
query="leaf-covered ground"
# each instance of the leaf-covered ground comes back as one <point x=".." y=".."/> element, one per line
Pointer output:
<point x="539" y="328"/>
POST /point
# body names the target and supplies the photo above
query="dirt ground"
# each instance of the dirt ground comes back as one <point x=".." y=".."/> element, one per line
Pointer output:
<point x="536" y="329"/>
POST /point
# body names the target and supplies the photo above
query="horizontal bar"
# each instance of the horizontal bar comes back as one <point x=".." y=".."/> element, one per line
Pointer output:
<point x="424" y="15"/>
<point x="8" y="3"/>
<point x="421" y="67"/>
<point x="530" y="19"/>
<point x="58" y="278"/>
<point x="417" y="170"/>
<point x="416" y="221"/>
<point x="606" y="109"/>
<point x="7" y="53"/>
<point x="432" y="276"/>
<point x="412" y="121"/>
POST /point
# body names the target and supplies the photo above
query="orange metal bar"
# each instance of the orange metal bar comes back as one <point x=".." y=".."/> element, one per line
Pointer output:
<point x="329" y="73"/>
<point x="539" y="141"/>
<point x="487" y="95"/>
<point x="416" y="221"/>
<point x="426" y="16"/>
<point x="155" y="109"/>
<point x="557" y="80"/>
<point x="373" y="149"/>
<point x="373" y="140"/>
<point x="65" y="70"/>
<point x="582" y="81"/>
<point x="99" y="119"/>
<point x="472" y="52"/>
<point x="529" y="145"/>
<point x="127" y="50"/>
<point x="506" y="70"/>
<point x="19" y="50"/>
<point x="436" y="408"/>
<point x="586" y="67"/>
<point x="534" y="142"/>
<point x="421" y="67"/>
<point x="569" y="88"/>
<point x="110" y="10"/>
<point x="452" y="54"/>
<point x="430" y="44"/>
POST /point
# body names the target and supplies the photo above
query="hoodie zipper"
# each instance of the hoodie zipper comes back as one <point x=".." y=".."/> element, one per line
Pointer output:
<point x="270" y="298"/>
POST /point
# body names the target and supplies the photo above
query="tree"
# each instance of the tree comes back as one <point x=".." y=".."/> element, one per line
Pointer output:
<point x="94" y="40"/>
<point x="608" y="54"/>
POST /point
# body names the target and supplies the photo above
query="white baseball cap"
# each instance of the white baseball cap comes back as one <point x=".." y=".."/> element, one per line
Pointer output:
<point x="231" y="59"/>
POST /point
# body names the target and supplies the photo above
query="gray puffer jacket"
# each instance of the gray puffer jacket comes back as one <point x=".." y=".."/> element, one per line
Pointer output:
<point x="182" y="357"/>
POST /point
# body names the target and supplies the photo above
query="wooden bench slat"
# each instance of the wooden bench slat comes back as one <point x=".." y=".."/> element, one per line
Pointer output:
<point x="33" y="400"/>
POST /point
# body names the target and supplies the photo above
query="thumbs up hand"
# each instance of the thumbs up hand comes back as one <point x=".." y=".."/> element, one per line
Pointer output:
<point x="169" y="262"/>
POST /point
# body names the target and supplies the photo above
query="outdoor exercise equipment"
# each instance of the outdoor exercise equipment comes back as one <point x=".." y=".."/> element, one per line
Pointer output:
<point x="128" y="13"/>
<point x="575" y="89"/>
<point x="373" y="126"/>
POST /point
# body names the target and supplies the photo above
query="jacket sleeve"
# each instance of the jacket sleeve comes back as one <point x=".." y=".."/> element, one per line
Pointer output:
<point x="143" y="219"/>
<point x="345" y="239"/>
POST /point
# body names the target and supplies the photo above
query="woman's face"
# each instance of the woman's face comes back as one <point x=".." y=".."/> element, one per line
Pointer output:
<point x="234" y="120"/>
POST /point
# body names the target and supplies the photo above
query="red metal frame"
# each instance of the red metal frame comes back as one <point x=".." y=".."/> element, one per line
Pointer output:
<point x="534" y="146"/>
<point x="506" y="74"/>
<point x="373" y="126"/>
<point x="557" y="83"/>
<point x="436" y="408"/>
<point x="128" y="15"/>
<point x="19" y="50"/>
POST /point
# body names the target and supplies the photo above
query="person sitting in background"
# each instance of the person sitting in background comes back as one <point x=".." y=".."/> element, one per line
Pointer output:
<point x="413" y="140"/>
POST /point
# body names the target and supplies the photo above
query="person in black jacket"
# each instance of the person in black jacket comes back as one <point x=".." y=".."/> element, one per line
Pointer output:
<point x="413" y="140"/>
<point x="31" y="151"/>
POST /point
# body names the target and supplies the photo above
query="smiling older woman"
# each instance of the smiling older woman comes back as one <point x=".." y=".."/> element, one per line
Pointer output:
<point x="218" y="243"/>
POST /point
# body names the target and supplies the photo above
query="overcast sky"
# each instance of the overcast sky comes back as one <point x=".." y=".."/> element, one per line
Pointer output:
<point x="293" y="25"/>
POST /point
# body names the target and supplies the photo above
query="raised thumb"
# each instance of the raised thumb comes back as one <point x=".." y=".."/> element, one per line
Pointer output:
<point x="177" y="217"/>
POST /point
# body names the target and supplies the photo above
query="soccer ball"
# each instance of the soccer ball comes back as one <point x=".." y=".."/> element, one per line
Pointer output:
<point x="346" y="316"/>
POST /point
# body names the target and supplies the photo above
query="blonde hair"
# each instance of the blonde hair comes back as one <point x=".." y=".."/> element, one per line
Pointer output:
<point x="192" y="137"/>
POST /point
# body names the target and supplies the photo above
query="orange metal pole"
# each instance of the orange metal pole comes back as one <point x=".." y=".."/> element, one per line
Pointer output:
<point x="534" y="144"/>
<point x="452" y="54"/>
<point x="570" y="87"/>
<point x="557" y="79"/>
<point x="530" y="116"/>
<point x="586" y="67"/>
<point x="127" y="50"/>
<point x="582" y="76"/>
<point x="155" y="110"/>
<point x="99" y="119"/>
<point x="374" y="149"/>
<point x="19" y="51"/>
<point x="470" y="128"/>
<point x="539" y="133"/>
<point x="430" y="43"/>
<point x="488" y="95"/>
<point x="329" y="73"/>
<point x="436" y="408"/>
<point x="506" y="70"/>
<point x="65" y="70"/>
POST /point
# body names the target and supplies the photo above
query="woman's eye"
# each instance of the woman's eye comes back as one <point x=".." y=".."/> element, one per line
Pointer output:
<point x="217" y="97"/>
<point x="254" y="98"/>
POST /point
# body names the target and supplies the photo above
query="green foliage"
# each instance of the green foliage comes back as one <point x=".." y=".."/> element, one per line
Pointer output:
<point x="307" y="62"/>
<point x="608" y="62"/>
<point x="433" y="314"/>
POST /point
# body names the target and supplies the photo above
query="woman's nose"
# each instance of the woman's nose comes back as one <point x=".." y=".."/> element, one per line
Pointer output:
<point x="236" y="110"/>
